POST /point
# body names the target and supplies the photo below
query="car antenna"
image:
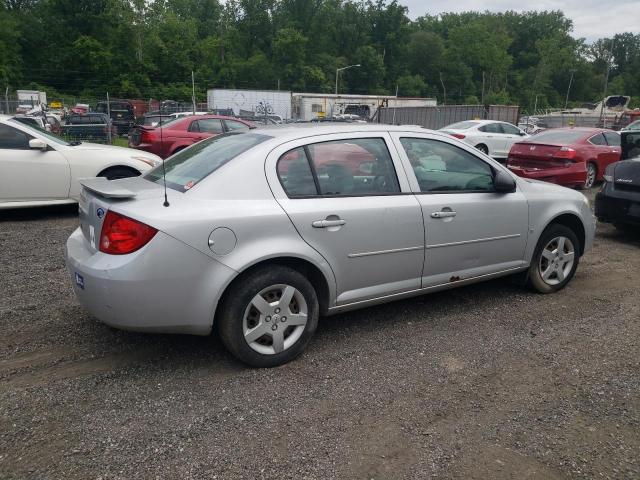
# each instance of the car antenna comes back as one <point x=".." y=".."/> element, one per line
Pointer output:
<point x="164" y="172"/>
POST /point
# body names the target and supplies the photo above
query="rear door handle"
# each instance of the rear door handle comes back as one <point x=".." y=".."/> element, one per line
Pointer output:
<point x="327" y="223"/>
<point x="444" y="214"/>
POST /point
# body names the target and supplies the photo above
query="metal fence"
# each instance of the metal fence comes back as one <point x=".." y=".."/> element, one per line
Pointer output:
<point x="440" y="116"/>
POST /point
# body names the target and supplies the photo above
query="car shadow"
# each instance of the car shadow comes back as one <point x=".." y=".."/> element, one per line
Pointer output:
<point x="39" y="213"/>
<point x="630" y="236"/>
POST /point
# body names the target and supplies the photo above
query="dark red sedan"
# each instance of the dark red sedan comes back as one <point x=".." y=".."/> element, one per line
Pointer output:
<point x="573" y="157"/>
<point x="176" y="134"/>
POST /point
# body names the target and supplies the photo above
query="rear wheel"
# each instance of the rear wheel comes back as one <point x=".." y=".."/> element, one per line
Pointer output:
<point x="483" y="148"/>
<point x="555" y="259"/>
<point x="114" y="173"/>
<point x="269" y="316"/>
<point x="592" y="172"/>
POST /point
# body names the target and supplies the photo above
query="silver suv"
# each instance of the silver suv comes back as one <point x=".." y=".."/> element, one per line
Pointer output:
<point x="260" y="233"/>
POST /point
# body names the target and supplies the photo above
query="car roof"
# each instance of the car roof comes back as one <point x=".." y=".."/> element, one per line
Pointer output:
<point x="293" y="131"/>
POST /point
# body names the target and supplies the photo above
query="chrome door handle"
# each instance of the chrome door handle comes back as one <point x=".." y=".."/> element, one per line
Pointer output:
<point x="327" y="223"/>
<point x="444" y="214"/>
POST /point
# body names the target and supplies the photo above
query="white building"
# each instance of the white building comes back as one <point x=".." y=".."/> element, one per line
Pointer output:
<point x="307" y="106"/>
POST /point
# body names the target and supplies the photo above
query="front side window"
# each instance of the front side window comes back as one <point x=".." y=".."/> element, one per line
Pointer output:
<point x="598" y="140"/>
<point x="509" y="129"/>
<point x="12" y="138"/>
<point x="354" y="167"/>
<point x="233" y="125"/>
<point x="442" y="167"/>
<point x="613" y="139"/>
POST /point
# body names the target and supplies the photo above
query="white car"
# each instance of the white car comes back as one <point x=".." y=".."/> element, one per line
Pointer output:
<point x="489" y="136"/>
<point x="39" y="168"/>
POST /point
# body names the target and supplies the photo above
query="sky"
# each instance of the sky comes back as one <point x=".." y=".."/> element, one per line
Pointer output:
<point x="592" y="19"/>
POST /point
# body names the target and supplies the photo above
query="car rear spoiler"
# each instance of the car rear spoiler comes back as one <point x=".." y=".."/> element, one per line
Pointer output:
<point x="106" y="188"/>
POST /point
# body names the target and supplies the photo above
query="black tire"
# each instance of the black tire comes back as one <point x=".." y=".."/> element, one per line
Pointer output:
<point x="483" y="148"/>
<point x="238" y="300"/>
<point x="535" y="279"/>
<point x="115" y="173"/>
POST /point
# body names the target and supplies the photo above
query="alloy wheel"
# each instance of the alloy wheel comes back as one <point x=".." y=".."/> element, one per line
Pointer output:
<point x="275" y="319"/>
<point x="591" y="176"/>
<point x="556" y="260"/>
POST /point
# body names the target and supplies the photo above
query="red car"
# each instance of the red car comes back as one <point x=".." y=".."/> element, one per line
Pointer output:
<point x="176" y="134"/>
<point x="573" y="157"/>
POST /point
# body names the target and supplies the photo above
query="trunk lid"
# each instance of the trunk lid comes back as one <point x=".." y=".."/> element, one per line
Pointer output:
<point x="627" y="174"/>
<point x="98" y="195"/>
<point x="529" y="155"/>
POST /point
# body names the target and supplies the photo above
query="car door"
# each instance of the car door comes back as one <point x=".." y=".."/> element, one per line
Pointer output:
<point x="494" y="139"/>
<point x="511" y="135"/>
<point x="603" y="153"/>
<point x="349" y="199"/>
<point x="615" y="149"/>
<point x="470" y="230"/>
<point x="30" y="174"/>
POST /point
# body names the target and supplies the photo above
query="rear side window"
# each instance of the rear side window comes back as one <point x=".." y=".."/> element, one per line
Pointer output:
<point x="491" y="128"/>
<point x="12" y="138"/>
<point x="598" y="140"/>
<point x="613" y="139"/>
<point x="188" y="167"/>
<point x="354" y="167"/>
<point x="210" y="125"/>
<point x="442" y="167"/>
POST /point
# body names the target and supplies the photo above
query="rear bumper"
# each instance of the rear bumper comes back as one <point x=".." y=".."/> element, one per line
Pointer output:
<point x="165" y="287"/>
<point x="617" y="207"/>
<point x="570" y="176"/>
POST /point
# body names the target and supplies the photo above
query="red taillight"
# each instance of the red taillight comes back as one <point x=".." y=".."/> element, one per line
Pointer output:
<point x="457" y="135"/>
<point x="121" y="235"/>
<point x="566" y="153"/>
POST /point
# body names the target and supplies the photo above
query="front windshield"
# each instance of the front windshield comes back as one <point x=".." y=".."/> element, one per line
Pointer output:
<point x="48" y="135"/>
<point x="186" y="168"/>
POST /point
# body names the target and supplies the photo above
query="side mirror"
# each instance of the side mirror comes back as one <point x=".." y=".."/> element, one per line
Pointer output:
<point x="503" y="182"/>
<point x="37" y="144"/>
<point x="522" y="134"/>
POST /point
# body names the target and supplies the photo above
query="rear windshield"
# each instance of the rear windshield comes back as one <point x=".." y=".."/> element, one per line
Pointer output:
<point x="558" y="137"/>
<point x="188" y="167"/>
<point x="460" y="125"/>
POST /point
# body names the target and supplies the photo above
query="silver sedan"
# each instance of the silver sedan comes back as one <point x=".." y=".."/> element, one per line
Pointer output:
<point x="258" y="234"/>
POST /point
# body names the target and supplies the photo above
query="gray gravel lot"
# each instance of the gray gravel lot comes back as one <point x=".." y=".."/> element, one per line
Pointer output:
<point x="487" y="382"/>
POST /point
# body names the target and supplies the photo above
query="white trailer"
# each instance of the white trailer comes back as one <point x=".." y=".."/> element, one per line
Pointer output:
<point x="32" y="97"/>
<point x="259" y="102"/>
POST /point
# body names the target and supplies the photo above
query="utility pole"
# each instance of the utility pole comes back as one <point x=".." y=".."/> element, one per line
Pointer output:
<point x="110" y="123"/>
<point x="482" y="96"/>
<point x="193" y="92"/>
<point x="606" y="85"/>
<point x="566" y="100"/>
<point x="6" y="99"/>
<point x="444" y="90"/>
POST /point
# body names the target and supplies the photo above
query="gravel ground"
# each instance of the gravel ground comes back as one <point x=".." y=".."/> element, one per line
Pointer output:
<point x="487" y="381"/>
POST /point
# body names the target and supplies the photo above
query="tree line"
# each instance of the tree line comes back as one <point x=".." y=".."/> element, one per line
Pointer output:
<point x="148" y="48"/>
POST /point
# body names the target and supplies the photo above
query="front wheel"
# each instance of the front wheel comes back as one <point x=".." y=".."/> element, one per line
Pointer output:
<point x="269" y="316"/>
<point x="555" y="259"/>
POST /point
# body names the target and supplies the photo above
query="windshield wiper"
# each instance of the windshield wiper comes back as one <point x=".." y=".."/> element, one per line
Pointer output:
<point x="74" y="144"/>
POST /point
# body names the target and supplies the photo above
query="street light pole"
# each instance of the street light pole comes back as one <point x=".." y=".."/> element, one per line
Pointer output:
<point x="338" y="70"/>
